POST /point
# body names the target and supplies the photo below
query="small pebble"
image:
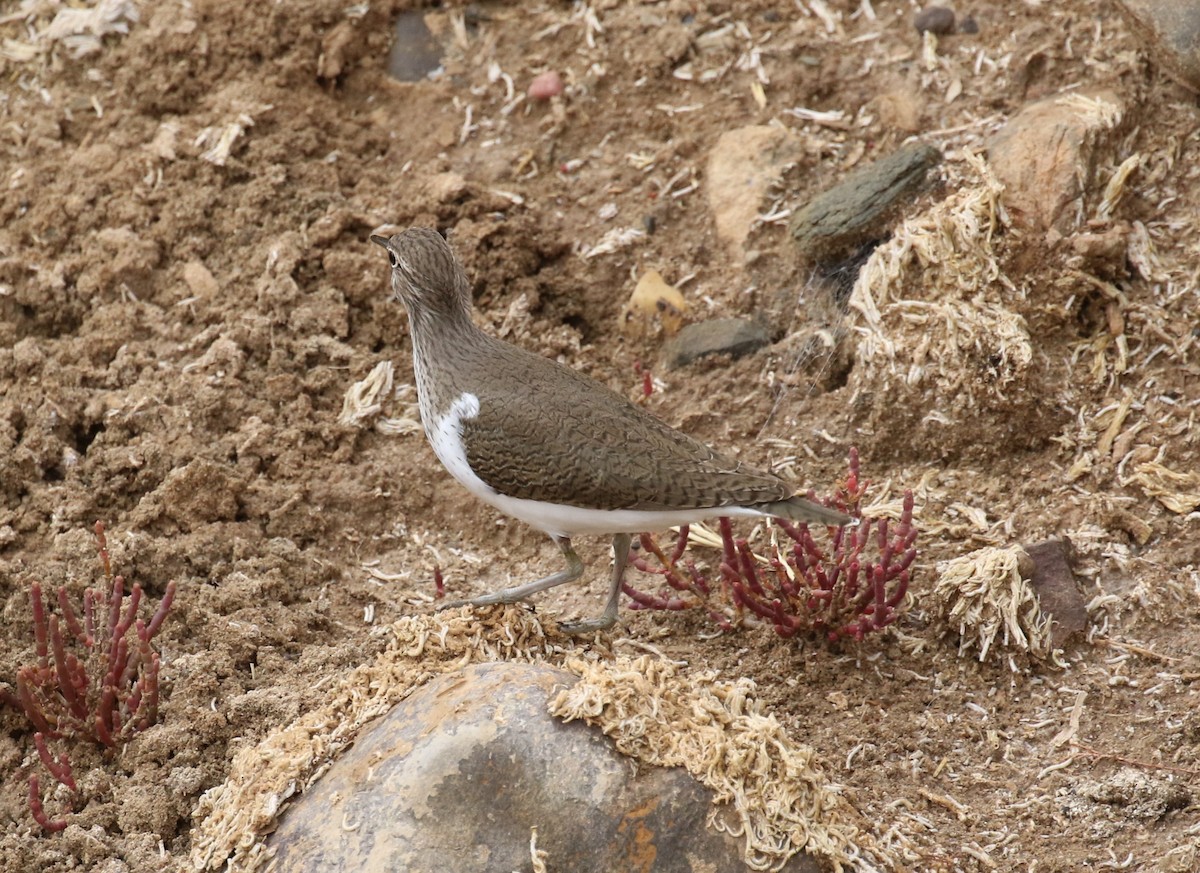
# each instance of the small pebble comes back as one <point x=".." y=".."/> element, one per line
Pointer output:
<point x="415" y="51"/>
<point x="546" y="85"/>
<point x="968" y="25"/>
<point x="935" y="19"/>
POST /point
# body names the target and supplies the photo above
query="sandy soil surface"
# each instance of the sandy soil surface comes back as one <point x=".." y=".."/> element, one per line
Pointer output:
<point x="187" y="292"/>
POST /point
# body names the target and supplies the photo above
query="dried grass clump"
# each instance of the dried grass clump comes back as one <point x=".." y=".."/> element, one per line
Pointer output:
<point x="1177" y="491"/>
<point x="367" y="399"/>
<point x="784" y="805"/>
<point x="935" y="327"/>
<point x="781" y="800"/>
<point x="986" y="598"/>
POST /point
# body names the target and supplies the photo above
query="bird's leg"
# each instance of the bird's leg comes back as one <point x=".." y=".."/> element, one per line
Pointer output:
<point x="609" y="617"/>
<point x="570" y="573"/>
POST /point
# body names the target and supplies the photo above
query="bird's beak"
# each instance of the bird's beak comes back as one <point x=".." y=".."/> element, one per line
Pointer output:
<point x="379" y="240"/>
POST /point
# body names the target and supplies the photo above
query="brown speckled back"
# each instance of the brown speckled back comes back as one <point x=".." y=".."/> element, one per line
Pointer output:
<point x="543" y="431"/>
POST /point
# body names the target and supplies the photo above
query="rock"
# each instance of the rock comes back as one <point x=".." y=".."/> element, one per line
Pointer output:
<point x="415" y="52"/>
<point x="546" y="85"/>
<point x="1047" y="156"/>
<point x="742" y="167"/>
<point x="1057" y="591"/>
<point x="1104" y="251"/>
<point x="934" y="19"/>
<point x="1170" y="32"/>
<point x="842" y="218"/>
<point x="457" y="776"/>
<point x="717" y="336"/>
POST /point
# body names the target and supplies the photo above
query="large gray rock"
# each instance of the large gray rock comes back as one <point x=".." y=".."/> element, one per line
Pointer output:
<point x="455" y="778"/>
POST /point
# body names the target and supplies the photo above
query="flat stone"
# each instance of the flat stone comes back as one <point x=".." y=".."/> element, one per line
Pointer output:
<point x="1170" y="32"/>
<point x="1057" y="590"/>
<point x="859" y="207"/>
<point x="1047" y="155"/>
<point x="457" y="776"/>
<point x="717" y="336"/>
<point x="415" y="52"/>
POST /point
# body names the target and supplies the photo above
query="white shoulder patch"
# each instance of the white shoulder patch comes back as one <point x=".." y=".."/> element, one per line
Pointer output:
<point x="446" y="438"/>
<point x="466" y="406"/>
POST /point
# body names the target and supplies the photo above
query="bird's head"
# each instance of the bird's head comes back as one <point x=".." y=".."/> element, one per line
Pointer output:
<point x="426" y="276"/>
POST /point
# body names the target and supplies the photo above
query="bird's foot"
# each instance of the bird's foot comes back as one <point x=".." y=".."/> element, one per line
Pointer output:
<point x="591" y="625"/>
<point x="570" y="628"/>
<point x="576" y="628"/>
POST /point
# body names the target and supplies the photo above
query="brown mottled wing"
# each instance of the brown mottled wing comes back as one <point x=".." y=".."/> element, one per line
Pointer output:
<point x="556" y="435"/>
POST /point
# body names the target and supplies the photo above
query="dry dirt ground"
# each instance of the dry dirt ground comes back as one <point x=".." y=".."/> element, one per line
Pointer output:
<point x="187" y="293"/>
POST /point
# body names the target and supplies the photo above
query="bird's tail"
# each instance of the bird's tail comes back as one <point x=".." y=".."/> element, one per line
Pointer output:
<point x="799" y="509"/>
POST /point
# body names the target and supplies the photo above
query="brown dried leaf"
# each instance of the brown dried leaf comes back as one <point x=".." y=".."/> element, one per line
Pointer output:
<point x="653" y="299"/>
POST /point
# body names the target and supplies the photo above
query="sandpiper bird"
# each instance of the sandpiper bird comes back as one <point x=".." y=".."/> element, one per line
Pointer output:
<point x="552" y="447"/>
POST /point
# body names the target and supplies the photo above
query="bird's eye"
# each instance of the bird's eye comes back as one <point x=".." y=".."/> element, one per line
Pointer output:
<point x="392" y="257"/>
